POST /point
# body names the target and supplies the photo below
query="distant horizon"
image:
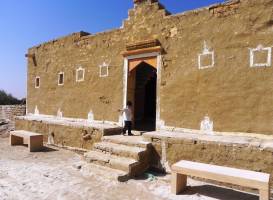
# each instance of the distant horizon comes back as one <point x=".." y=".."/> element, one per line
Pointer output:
<point x="30" y="23"/>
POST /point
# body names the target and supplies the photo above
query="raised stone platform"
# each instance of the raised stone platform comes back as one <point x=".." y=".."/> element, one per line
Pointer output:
<point x="105" y="127"/>
<point x="258" y="141"/>
<point x="243" y="152"/>
<point x="77" y="133"/>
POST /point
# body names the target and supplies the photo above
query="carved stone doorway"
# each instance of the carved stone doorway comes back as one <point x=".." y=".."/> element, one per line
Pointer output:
<point x="141" y="83"/>
<point x="141" y="91"/>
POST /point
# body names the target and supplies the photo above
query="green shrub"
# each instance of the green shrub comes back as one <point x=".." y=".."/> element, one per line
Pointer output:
<point x="8" y="99"/>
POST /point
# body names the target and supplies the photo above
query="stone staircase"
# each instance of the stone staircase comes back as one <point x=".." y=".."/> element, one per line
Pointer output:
<point x="130" y="154"/>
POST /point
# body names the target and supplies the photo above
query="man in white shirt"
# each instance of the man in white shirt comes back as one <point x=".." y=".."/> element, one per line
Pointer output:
<point x="127" y="116"/>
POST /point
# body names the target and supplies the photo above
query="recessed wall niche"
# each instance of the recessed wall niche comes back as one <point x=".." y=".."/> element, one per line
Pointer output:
<point x="104" y="70"/>
<point x="80" y="72"/>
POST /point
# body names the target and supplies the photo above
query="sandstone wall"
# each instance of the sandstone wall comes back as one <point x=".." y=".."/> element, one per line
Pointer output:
<point x="62" y="135"/>
<point x="10" y="112"/>
<point x="236" y="96"/>
<point x="76" y="99"/>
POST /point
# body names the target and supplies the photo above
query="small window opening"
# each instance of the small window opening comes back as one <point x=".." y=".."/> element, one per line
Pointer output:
<point x="37" y="82"/>
<point x="80" y="74"/>
<point x="61" y="78"/>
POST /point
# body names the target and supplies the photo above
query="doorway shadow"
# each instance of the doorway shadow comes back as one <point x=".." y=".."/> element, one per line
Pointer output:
<point x="144" y="97"/>
<point x="145" y="125"/>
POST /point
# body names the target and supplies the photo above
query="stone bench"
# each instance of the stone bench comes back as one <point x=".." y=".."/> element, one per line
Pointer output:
<point x="34" y="140"/>
<point x="246" y="178"/>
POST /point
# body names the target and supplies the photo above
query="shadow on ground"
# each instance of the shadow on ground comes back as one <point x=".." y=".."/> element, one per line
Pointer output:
<point x="44" y="148"/>
<point x="211" y="191"/>
<point x="151" y="175"/>
<point x="217" y="193"/>
<point x="48" y="149"/>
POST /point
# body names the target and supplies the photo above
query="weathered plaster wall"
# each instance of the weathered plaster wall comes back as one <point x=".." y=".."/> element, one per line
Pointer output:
<point x="235" y="96"/>
<point x="76" y="99"/>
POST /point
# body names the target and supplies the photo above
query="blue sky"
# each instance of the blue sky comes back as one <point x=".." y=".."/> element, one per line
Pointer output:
<point x="25" y="23"/>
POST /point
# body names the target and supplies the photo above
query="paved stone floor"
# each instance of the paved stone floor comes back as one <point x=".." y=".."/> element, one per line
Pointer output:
<point x="57" y="174"/>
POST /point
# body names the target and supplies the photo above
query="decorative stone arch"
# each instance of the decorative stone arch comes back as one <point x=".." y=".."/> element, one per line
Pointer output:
<point x="133" y="63"/>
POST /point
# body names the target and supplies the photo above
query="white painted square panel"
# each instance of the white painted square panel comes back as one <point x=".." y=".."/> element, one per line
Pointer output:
<point x="261" y="56"/>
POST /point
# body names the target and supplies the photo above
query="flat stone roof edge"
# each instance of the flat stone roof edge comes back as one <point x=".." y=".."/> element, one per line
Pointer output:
<point x="75" y="34"/>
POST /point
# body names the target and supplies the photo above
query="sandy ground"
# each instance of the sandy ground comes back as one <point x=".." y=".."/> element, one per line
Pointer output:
<point x="54" y="174"/>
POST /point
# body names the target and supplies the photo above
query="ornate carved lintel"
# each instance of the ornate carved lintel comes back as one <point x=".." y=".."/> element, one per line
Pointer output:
<point x="143" y="44"/>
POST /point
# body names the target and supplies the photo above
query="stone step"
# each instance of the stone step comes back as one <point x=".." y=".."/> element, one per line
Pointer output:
<point x="127" y="153"/>
<point x="136" y="141"/>
<point x="112" y="131"/>
<point x="112" y="161"/>
<point x="120" y="150"/>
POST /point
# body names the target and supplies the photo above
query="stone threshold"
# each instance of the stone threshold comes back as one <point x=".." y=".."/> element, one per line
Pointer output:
<point x="229" y="140"/>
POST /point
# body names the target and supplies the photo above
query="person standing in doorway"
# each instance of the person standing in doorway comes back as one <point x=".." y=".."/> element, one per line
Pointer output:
<point x="127" y="116"/>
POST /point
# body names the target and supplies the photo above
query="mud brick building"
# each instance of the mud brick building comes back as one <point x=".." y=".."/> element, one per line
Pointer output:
<point x="188" y="75"/>
<point x="176" y="69"/>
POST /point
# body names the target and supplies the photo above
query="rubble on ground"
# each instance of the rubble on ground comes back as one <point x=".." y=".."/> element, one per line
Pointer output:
<point x="5" y="127"/>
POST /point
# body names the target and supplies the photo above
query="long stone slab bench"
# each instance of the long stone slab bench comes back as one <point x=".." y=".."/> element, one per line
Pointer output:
<point x="246" y="178"/>
<point x="20" y="137"/>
